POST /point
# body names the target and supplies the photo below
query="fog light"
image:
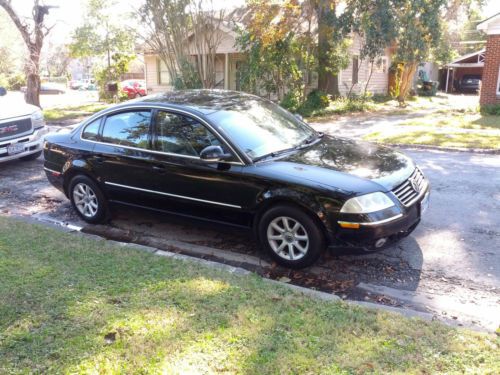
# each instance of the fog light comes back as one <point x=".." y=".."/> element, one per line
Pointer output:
<point x="380" y="242"/>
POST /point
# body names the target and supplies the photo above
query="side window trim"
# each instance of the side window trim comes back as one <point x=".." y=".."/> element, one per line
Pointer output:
<point x="105" y="118"/>
<point x="202" y="123"/>
<point x="98" y="135"/>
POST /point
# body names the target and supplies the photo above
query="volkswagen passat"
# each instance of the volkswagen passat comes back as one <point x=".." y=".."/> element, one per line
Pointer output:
<point x="239" y="159"/>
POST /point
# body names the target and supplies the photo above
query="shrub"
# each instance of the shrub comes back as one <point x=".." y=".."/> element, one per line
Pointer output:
<point x="291" y="101"/>
<point x="491" y="109"/>
<point x="315" y="102"/>
<point x="16" y="81"/>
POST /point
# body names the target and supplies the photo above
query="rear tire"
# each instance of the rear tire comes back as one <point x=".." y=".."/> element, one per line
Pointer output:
<point x="88" y="200"/>
<point x="30" y="157"/>
<point x="291" y="236"/>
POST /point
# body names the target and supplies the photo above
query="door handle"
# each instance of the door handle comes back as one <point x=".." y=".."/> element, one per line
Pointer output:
<point x="99" y="159"/>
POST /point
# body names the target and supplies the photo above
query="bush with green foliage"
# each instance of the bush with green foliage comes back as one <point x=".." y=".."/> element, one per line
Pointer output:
<point x="112" y="74"/>
<point x="291" y="101"/>
<point x="316" y="101"/>
<point x="491" y="109"/>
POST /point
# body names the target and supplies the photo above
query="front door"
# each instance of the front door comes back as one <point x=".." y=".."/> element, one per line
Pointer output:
<point x="187" y="183"/>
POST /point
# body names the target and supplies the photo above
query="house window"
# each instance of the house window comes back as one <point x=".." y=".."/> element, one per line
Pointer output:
<point x="355" y="69"/>
<point x="498" y="82"/>
<point x="162" y="72"/>
<point x="381" y="65"/>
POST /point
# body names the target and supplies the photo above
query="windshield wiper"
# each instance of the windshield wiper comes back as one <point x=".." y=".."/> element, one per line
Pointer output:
<point x="273" y="154"/>
<point x="309" y="140"/>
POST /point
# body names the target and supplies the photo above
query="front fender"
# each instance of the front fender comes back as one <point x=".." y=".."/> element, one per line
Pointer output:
<point x="314" y="203"/>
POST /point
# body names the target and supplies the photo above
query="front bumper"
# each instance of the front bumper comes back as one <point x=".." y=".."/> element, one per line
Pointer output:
<point x="32" y="143"/>
<point x="383" y="232"/>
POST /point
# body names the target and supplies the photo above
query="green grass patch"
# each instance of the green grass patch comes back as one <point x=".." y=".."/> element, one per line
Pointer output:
<point x="456" y="120"/>
<point x="436" y="138"/>
<point x="72" y="112"/>
<point x="69" y="304"/>
<point x="445" y="129"/>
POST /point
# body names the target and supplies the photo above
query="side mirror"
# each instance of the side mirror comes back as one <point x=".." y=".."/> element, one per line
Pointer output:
<point x="214" y="154"/>
<point x="3" y="91"/>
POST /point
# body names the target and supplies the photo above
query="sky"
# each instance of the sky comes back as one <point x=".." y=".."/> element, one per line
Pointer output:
<point x="69" y="13"/>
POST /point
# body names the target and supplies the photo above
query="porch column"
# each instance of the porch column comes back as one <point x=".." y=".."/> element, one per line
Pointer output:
<point x="226" y="72"/>
<point x="447" y="77"/>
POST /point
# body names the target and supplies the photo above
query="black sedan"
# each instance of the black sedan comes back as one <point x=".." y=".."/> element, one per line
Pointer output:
<point x="238" y="159"/>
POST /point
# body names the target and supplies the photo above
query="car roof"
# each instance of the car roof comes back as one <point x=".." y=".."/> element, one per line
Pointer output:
<point x="204" y="101"/>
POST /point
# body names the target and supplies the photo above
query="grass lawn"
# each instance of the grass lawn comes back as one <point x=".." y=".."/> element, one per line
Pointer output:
<point x="73" y="112"/>
<point x="69" y="304"/>
<point x="445" y="129"/>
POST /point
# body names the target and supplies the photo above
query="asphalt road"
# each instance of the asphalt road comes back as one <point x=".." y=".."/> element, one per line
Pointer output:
<point x="449" y="266"/>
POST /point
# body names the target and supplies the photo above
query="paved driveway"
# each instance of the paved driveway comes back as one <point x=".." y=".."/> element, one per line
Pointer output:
<point x="449" y="266"/>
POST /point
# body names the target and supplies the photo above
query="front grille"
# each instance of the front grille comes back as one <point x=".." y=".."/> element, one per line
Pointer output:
<point x="411" y="188"/>
<point x="13" y="128"/>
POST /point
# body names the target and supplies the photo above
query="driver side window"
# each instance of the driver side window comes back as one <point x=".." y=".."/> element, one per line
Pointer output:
<point x="178" y="134"/>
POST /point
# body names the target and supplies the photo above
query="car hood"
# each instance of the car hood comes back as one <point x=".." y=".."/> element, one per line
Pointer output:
<point x="11" y="107"/>
<point x="348" y="165"/>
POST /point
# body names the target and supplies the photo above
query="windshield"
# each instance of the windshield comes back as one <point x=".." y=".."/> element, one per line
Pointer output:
<point x="260" y="127"/>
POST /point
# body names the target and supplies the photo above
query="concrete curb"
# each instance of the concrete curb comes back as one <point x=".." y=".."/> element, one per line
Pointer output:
<point x="53" y="224"/>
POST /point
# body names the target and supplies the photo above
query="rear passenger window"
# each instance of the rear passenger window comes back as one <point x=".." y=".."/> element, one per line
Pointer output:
<point x="128" y="129"/>
<point x="91" y="131"/>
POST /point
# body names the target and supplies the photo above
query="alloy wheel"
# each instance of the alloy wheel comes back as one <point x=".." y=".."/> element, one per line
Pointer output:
<point x="85" y="200"/>
<point x="288" y="238"/>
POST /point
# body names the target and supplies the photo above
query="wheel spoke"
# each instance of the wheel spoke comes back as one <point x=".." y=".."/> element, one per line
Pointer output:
<point x="286" y="223"/>
<point x="301" y="237"/>
<point x="275" y="237"/>
<point x="291" y="253"/>
<point x="281" y="247"/>
<point x="301" y="248"/>
<point x="277" y="228"/>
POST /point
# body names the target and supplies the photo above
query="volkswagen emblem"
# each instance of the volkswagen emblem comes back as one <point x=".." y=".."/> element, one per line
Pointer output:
<point x="414" y="184"/>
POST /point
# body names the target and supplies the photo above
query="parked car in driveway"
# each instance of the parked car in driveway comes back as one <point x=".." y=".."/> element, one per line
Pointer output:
<point x="22" y="129"/>
<point x="469" y="83"/>
<point x="134" y="88"/>
<point x="242" y="160"/>
<point x="49" y="89"/>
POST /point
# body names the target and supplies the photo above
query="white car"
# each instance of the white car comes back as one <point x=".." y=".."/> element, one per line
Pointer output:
<point x="22" y="129"/>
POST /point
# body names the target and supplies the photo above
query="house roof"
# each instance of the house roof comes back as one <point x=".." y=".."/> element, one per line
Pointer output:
<point x="471" y="60"/>
<point x="483" y="25"/>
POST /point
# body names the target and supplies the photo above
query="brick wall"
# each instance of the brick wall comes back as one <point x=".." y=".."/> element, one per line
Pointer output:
<point x="490" y="72"/>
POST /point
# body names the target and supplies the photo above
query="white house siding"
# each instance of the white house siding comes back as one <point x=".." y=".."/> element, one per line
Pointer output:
<point x="379" y="81"/>
<point x="152" y="75"/>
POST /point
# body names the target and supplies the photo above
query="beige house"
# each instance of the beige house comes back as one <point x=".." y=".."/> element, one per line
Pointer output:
<point x="229" y="58"/>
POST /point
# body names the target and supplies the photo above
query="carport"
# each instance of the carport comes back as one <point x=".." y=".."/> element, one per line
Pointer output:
<point x="472" y="63"/>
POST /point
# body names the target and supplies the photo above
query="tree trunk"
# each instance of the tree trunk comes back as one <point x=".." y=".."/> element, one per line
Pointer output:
<point x="327" y="82"/>
<point x="32" y="95"/>
<point x="406" y="80"/>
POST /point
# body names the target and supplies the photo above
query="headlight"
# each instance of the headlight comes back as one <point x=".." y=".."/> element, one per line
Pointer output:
<point x="37" y="119"/>
<point x="365" y="204"/>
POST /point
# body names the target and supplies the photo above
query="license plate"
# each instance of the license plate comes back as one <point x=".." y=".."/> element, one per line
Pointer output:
<point x="15" y="149"/>
<point x="424" y="204"/>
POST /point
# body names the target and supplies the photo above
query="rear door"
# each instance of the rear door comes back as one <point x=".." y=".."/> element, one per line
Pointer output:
<point x="121" y="155"/>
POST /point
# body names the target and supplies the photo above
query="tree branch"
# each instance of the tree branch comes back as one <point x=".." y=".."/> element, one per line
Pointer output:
<point x="23" y="28"/>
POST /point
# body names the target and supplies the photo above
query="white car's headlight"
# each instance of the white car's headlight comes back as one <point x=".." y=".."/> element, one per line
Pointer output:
<point x="365" y="204"/>
<point x="37" y="119"/>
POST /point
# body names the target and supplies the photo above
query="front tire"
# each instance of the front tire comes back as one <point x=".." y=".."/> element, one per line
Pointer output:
<point x="291" y="236"/>
<point x="88" y="200"/>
